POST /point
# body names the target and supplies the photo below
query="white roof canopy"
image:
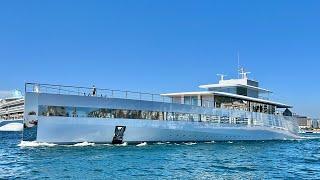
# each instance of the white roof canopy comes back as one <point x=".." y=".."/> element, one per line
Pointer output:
<point x="279" y="105"/>
<point x="244" y="82"/>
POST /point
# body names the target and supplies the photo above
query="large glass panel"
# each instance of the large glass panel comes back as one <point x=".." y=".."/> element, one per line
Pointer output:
<point x="71" y="111"/>
<point x="43" y="111"/>
<point x="242" y="91"/>
<point x="219" y="115"/>
<point x="187" y="100"/>
<point x="231" y="103"/>
<point x="57" y="111"/>
<point x="194" y="100"/>
<point x="170" y="116"/>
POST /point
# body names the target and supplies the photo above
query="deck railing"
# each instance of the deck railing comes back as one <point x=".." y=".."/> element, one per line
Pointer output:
<point x="85" y="91"/>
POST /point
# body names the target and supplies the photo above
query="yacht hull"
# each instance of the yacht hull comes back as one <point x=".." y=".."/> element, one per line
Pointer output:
<point x="73" y="130"/>
<point x="64" y="119"/>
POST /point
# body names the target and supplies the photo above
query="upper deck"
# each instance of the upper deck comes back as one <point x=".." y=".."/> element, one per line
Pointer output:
<point x="242" y="94"/>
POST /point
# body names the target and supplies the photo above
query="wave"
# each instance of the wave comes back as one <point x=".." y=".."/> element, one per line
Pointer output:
<point x="230" y="142"/>
<point x="159" y="143"/>
<point x="123" y="144"/>
<point x="83" y="144"/>
<point x="142" y="144"/>
<point x="106" y="144"/>
<point x="210" y="142"/>
<point x="12" y="127"/>
<point x="190" y="143"/>
<point x="35" y="144"/>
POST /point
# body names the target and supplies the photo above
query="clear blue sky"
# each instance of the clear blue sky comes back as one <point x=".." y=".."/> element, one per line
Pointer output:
<point x="163" y="45"/>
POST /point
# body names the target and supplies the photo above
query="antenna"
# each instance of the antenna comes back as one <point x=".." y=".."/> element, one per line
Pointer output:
<point x="221" y="76"/>
<point x="238" y="55"/>
<point x="244" y="74"/>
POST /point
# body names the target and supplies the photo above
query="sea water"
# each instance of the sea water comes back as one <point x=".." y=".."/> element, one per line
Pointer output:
<point x="298" y="159"/>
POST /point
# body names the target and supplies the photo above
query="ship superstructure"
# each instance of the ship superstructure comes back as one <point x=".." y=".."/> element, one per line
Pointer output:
<point x="230" y="110"/>
<point x="12" y="106"/>
<point x="11" y="111"/>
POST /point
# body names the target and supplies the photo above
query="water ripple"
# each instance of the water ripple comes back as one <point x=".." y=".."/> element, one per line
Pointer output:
<point x="223" y="160"/>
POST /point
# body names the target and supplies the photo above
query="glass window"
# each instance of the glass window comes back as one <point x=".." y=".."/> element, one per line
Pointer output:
<point x="222" y="116"/>
<point x="71" y="111"/>
<point x="194" y="100"/>
<point x="242" y="91"/>
<point x="56" y="111"/>
<point x="187" y="100"/>
<point x="43" y="111"/>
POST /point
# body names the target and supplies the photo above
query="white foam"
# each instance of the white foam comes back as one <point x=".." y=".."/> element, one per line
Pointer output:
<point x="83" y="144"/>
<point x="142" y="144"/>
<point x="106" y="144"/>
<point x="12" y="127"/>
<point x="123" y="144"/>
<point x="190" y="143"/>
<point x="160" y="143"/>
<point x="210" y="142"/>
<point x="229" y="142"/>
<point x="35" y="144"/>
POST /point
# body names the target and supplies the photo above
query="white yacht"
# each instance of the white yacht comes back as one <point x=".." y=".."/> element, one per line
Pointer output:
<point x="233" y="109"/>
<point x="11" y="111"/>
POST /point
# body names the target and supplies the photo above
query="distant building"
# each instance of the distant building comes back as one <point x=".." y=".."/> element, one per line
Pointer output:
<point x="315" y="124"/>
<point x="12" y="106"/>
<point x="304" y="122"/>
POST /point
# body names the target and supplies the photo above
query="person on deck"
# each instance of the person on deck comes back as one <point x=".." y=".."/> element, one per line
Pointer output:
<point x="94" y="91"/>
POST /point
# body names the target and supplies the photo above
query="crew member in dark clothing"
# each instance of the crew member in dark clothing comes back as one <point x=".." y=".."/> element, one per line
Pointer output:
<point x="94" y="91"/>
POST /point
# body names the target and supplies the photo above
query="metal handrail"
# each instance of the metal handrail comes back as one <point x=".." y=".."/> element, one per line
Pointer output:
<point x="87" y="88"/>
<point x="78" y="90"/>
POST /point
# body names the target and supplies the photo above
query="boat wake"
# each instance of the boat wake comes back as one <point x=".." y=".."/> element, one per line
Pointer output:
<point x="35" y="144"/>
<point x="160" y="143"/>
<point x="106" y="144"/>
<point x="83" y="144"/>
<point x="123" y="144"/>
<point x="142" y="144"/>
<point x="190" y="143"/>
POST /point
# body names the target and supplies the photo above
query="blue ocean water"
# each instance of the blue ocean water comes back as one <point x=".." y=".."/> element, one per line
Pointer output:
<point x="217" y="160"/>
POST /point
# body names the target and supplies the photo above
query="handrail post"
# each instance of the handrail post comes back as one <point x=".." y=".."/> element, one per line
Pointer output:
<point x="126" y="94"/>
